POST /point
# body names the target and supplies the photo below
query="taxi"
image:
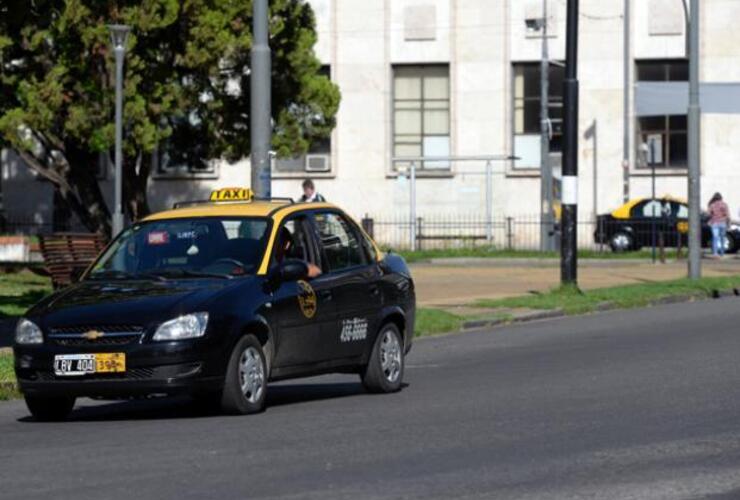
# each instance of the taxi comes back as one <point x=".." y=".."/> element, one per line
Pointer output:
<point x="630" y="227"/>
<point x="215" y="299"/>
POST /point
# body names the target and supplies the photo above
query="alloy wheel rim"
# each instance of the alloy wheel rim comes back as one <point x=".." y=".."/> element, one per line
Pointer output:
<point x="621" y="241"/>
<point x="390" y="356"/>
<point x="251" y="374"/>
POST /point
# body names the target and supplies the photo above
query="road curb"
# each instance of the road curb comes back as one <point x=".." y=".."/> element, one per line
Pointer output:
<point x="537" y="315"/>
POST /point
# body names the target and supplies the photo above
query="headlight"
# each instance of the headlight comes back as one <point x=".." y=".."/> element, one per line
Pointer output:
<point x="26" y="332"/>
<point x="189" y="326"/>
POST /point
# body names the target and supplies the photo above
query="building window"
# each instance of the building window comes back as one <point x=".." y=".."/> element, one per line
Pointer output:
<point x="317" y="160"/>
<point x="662" y="140"/>
<point x="421" y="114"/>
<point x="527" y="128"/>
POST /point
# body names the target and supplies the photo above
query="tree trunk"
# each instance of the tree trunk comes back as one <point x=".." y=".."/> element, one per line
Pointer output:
<point x="76" y="185"/>
<point x="135" y="184"/>
<point x="92" y="209"/>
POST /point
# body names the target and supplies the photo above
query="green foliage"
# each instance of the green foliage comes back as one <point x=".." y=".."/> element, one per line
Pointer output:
<point x="186" y="85"/>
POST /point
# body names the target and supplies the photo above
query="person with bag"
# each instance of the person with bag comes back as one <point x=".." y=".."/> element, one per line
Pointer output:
<point x="719" y="219"/>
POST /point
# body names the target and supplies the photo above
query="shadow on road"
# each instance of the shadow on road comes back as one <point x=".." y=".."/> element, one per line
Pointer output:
<point x="183" y="407"/>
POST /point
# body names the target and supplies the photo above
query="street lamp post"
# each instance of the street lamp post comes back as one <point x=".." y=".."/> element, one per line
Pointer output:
<point x="694" y="146"/>
<point x="546" y="222"/>
<point x="119" y="35"/>
<point x="260" y="111"/>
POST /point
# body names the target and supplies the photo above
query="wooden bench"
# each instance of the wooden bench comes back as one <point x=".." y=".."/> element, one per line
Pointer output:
<point x="67" y="255"/>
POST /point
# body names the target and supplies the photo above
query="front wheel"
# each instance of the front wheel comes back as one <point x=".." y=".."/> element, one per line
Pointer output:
<point x="50" y="408"/>
<point x="245" y="385"/>
<point x="384" y="371"/>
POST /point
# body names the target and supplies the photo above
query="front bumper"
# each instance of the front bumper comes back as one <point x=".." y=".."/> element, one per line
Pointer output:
<point x="151" y="368"/>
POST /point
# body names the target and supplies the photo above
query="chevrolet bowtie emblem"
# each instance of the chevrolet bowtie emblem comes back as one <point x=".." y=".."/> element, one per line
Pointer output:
<point x="92" y="335"/>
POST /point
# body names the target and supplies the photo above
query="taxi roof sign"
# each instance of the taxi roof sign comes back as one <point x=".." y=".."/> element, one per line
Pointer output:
<point x="232" y="194"/>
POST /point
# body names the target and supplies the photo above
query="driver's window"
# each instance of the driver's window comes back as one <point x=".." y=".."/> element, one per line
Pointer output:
<point x="292" y="242"/>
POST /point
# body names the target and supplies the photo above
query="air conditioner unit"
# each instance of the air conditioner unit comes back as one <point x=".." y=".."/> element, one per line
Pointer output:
<point x="317" y="163"/>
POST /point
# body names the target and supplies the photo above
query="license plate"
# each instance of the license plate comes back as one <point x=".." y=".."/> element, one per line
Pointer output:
<point x="67" y="365"/>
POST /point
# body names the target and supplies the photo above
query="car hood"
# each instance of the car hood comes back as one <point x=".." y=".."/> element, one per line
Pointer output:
<point x="140" y="302"/>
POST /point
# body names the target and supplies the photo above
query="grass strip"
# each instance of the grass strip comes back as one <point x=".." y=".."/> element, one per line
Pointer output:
<point x="574" y="301"/>
<point x="8" y="388"/>
<point x="19" y="291"/>
<point x="434" y="321"/>
<point x="495" y="253"/>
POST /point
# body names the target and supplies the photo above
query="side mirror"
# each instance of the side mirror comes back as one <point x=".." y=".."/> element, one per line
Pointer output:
<point x="289" y="270"/>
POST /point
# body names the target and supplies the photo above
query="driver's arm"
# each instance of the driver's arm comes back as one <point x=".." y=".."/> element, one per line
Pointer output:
<point x="313" y="270"/>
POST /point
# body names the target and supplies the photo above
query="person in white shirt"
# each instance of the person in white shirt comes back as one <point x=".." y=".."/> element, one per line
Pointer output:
<point x="309" y="193"/>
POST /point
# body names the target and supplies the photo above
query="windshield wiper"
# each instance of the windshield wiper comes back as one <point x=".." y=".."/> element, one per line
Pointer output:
<point x="114" y="274"/>
<point x="174" y="273"/>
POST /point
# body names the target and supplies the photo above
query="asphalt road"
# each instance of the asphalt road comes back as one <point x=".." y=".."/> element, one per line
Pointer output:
<point x="641" y="404"/>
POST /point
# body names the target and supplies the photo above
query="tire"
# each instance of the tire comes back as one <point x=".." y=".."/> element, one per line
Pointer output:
<point x="50" y="408"/>
<point x="384" y="371"/>
<point x="245" y="385"/>
<point x="730" y="244"/>
<point x="621" y="242"/>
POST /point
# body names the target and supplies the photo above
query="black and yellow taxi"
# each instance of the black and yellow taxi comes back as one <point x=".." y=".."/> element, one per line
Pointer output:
<point x="632" y="225"/>
<point x="215" y="299"/>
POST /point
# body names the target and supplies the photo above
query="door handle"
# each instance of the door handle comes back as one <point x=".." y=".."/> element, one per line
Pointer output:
<point x="326" y="295"/>
<point x="374" y="290"/>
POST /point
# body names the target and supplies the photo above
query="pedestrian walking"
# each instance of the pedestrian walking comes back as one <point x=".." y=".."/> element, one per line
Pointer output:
<point x="719" y="219"/>
<point x="309" y="193"/>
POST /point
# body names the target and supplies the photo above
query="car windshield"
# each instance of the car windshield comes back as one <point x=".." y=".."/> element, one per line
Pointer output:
<point x="185" y="248"/>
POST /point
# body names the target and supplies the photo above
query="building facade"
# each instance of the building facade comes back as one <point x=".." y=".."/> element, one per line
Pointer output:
<point x="461" y="78"/>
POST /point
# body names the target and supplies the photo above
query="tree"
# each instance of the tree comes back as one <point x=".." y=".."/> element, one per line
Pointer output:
<point x="186" y="84"/>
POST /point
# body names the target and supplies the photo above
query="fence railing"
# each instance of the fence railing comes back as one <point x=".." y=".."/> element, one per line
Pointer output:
<point x="520" y="232"/>
<point x="24" y="226"/>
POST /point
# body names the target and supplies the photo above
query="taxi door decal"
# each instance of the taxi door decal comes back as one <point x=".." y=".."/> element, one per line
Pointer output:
<point x="307" y="299"/>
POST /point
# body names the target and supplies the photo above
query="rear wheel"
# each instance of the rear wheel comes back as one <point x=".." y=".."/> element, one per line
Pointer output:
<point x="245" y="385"/>
<point x="621" y="242"/>
<point x="384" y="371"/>
<point x="50" y="408"/>
<point x="730" y="244"/>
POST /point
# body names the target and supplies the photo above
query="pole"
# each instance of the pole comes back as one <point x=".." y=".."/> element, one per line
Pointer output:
<point x="568" y="250"/>
<point x="117" y="226"/>
<point x="627" y="88"/>
<point x="412" y="206"/>
<point x="489" y="203"/>
<point x="694" y="147"/>
<point x="653" y="215"/>
<point x="546" y="219"/>
<point x="260" y="113"/>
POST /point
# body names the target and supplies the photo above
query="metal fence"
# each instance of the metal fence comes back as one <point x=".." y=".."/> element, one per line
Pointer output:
<point x="510" y="233"/>
<point x="26" y="226"/>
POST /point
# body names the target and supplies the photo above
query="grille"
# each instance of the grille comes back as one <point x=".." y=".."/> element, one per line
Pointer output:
<point x="117" y="340"/>
<point x="130" y="374"/>
<point x="113" y="335"/>
<point x="80" y="329"/>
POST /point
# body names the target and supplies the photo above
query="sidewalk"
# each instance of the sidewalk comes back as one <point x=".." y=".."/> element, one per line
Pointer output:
<point x="450" y="282"/>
